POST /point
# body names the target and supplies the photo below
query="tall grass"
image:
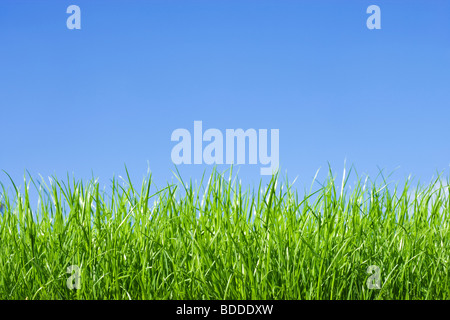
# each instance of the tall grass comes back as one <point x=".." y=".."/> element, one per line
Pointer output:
<point x="220" y="241"/>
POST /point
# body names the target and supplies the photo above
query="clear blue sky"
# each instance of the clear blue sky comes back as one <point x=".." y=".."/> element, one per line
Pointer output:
<point x="111" y="93"/>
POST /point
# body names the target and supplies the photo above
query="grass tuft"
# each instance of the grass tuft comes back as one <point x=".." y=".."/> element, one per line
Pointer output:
<point x="219" y="241"/>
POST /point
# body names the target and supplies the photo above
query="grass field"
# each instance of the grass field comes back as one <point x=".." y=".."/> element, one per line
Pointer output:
<point x="223" y="241"/>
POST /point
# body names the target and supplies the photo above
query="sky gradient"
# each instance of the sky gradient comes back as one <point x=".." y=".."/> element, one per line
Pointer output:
<point x="92" y="100"/>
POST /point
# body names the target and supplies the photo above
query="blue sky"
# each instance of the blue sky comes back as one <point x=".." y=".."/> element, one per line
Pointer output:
<point x="90" y="100"/>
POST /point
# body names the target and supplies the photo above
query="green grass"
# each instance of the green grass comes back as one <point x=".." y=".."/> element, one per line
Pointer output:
<point x="219" y="241"/>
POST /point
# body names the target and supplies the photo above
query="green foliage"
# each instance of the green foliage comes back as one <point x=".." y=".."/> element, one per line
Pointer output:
<point x="222" y="242"/>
